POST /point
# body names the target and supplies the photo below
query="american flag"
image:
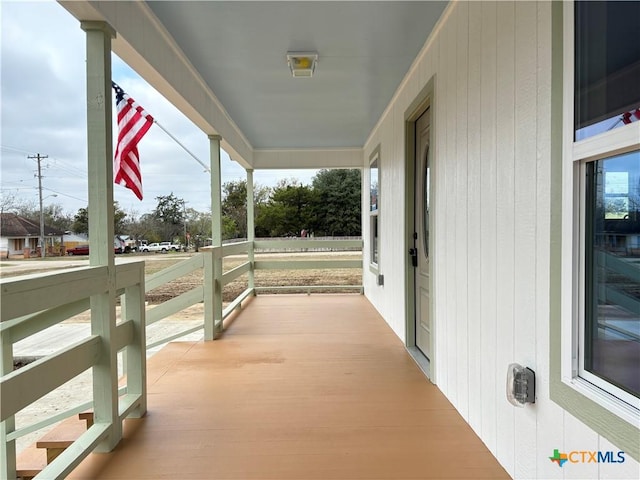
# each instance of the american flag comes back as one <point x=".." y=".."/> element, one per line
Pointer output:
<point x="133" y="124"/>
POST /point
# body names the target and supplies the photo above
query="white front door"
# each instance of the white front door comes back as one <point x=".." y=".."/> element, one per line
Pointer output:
<point x="420" y="253"/>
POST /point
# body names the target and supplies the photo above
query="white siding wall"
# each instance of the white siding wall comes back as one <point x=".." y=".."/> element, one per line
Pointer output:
<point x="492" y="68"/>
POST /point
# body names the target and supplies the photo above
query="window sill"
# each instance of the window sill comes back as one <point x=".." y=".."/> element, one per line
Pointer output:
<point x="606" y="415"/>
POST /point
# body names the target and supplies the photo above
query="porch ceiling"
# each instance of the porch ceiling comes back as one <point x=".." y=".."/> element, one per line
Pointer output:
<point x="238" y="49"/>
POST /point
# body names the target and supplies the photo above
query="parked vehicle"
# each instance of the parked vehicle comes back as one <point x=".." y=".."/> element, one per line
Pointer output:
<point x="84" y="250"/>
<point x="154" y="247"/>
<point x="172" y="246"/>
<point x="78" y="250"/>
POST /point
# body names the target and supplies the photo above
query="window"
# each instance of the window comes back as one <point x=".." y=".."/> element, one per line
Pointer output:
<point x="374" y="204"/>
<point x="600" y="351"/>
<point x="610" y="332"/>
<point x="607" y="66"/>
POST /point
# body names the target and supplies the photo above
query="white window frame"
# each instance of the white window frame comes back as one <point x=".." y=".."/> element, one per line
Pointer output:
<point x="374" y="266"/>
<point x="575" y="156"/>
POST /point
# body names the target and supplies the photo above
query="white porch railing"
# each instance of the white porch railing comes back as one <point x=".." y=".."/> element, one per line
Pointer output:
<point x="33" y="303"/>
<point x="304" y="245"/>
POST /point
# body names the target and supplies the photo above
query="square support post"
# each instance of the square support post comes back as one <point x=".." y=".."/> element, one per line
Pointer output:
<point x="212" y="330"/>
<point x="101" y="229"/>
<point x="251" y="232"/>
<point x="136" y="353"/>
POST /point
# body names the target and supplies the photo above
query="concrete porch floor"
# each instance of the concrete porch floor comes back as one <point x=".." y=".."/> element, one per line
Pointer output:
<point x="298" y="387"/>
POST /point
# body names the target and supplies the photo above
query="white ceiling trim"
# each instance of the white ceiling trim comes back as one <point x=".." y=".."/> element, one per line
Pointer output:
<point x="307" y="158"/>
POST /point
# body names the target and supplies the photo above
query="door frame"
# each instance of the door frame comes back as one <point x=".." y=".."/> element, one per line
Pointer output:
<point x="425" y="99"/>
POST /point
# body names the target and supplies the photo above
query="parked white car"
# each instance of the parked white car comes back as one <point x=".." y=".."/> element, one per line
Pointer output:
<point x="171" y="246"/>
<point x="162" y="247"/>
<point x="154" y="247"/>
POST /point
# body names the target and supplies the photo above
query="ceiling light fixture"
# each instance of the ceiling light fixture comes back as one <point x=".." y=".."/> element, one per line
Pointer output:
<point x="302" y="64"/>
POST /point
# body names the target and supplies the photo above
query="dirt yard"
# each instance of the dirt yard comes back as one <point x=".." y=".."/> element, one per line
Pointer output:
<point x="263" y="278"/>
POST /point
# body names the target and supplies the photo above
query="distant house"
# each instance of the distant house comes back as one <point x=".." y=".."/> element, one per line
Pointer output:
<point x="71" y="240"/>
<point x="18" y="233"/>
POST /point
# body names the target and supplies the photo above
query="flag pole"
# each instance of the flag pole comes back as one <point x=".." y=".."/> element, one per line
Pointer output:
<point x="206" y="168"/>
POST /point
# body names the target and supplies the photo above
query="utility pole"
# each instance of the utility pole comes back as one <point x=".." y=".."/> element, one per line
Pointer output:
<point x="184" y="215"/>
<point x="39" y="158"/>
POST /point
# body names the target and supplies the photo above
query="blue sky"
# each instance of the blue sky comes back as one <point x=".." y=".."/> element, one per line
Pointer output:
<point x="43" y="110"/>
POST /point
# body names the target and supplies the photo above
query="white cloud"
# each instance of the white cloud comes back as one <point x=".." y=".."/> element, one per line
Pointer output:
<point x="43" y="110"/>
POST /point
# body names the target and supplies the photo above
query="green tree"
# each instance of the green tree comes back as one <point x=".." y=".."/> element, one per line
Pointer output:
<point x="198" y="226"/>
<point x="146" y="228"/>
<point x="234" y="207"/>
<point x="337" y="202"/>
<point x="169" y="214"/>
<point x="119" y="219"/>
<point x="288" y="211"/>
<point x="80" y="222"/>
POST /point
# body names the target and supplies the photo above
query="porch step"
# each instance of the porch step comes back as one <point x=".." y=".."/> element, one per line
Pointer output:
<point x="87" y="417"/>
<point x="33" y="459"/>
<point x="30" y="462"/>
<point x="62" y="436"/>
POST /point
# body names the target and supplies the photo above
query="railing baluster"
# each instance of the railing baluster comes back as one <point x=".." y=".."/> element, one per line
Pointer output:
<point x="133" y="308"/>
<point x="209" y="295"/>
<point x="217" y="295"/>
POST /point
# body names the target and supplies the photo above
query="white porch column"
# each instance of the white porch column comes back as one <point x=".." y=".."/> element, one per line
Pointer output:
<point x="101" y="230"/>
<point x="213" y="319"/>
<point x="251" y="231"/>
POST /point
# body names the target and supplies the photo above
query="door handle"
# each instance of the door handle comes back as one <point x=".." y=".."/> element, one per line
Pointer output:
<point x="413" y="252"/>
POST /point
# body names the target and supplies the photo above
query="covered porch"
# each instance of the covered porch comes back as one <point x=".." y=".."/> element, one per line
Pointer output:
<point x="297" y="387"/>
<point x="293" y="387"/>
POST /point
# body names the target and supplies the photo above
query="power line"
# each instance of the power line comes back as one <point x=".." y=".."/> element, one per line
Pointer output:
<point x="66" y="195"/>
<point x="19" y="150"/>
